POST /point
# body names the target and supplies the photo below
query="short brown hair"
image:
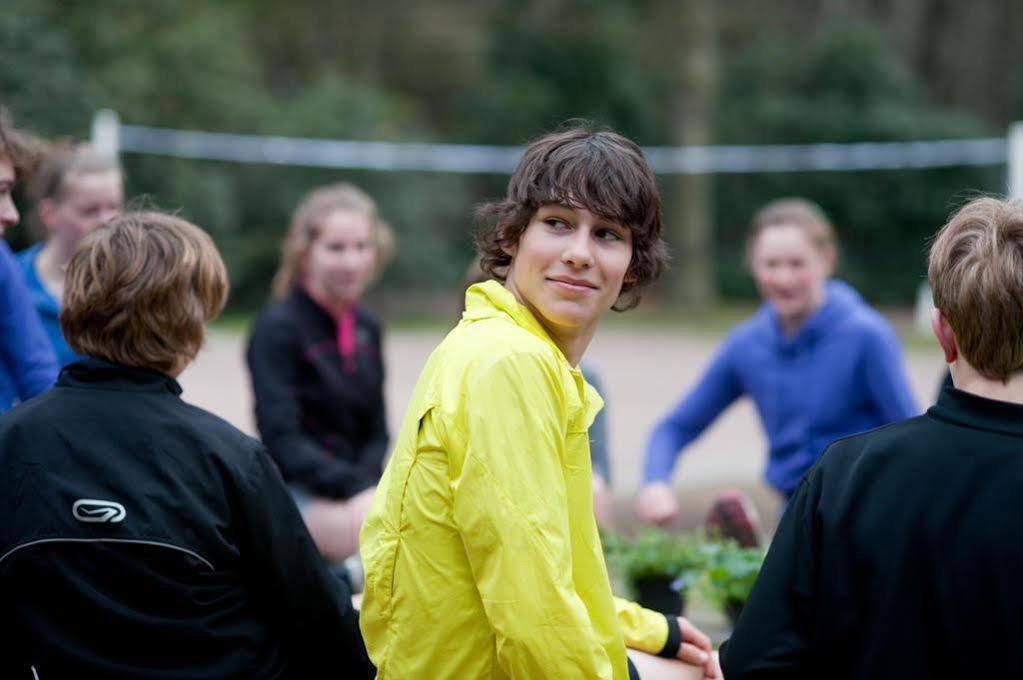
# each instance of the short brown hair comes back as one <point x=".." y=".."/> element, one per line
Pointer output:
<point x="139" y="290"/>
<point x="798" y="212"/>
<point x="598" y="170"/>
<point x="308" y="220"/>
<point x="975" y="270"/>
<point x="22" y="149"/>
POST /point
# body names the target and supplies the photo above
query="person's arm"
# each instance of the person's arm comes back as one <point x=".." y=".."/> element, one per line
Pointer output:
<point x="664" y="635"/>
<point x="885" y="371"/>
<point x="719" y="387"/>
<point x="510" y="509"/>
<point x="24" y="347"/>
<point x="273" y="357"/>
<point x="311" y="606"/>
<point x="714" y="392"/>
<point x="772" y="636"/>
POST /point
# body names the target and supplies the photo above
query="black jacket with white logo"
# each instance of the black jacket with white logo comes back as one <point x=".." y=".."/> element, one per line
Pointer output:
<point x="146" y="538"/>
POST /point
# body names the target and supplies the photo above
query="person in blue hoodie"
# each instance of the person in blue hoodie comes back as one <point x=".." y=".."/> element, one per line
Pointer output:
<point x="818" y="362"/>
<point x="27" y="364"/>
<point x="76" y="189"/>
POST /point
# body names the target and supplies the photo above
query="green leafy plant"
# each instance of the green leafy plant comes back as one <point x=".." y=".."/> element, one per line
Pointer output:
<point x="655" y="554"/>
<point x="729" y="574"/>
<point x="656" y="566"/>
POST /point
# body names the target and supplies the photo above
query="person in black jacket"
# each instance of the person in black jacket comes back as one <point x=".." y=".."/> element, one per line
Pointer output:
<point x="144" y="537"/>
<point x="899" y="555"/>
<point x="317" y="368"/>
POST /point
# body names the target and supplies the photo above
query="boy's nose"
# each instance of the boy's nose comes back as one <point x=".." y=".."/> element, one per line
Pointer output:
<point x="579" y="251"/>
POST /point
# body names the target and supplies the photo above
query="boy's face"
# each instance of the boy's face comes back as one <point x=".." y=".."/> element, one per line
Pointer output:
<point x="8" y="212"/>
<point x="569" y="266"/>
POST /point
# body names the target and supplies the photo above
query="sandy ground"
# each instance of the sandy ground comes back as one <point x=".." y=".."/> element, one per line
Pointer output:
<point x="644" y="372"/>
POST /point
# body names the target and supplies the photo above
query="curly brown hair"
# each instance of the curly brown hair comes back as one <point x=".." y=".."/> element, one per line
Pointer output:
<point x="599" y="170"/>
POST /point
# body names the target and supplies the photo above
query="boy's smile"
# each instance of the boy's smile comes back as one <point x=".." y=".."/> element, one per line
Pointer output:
<point x="568" y="268"/>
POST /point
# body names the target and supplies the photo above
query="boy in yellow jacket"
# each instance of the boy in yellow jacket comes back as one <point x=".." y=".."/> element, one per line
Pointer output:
<point x="481" y="551"/>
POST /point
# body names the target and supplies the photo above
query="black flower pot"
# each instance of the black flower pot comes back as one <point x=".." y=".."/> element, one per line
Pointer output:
<point x="657" y="594"/>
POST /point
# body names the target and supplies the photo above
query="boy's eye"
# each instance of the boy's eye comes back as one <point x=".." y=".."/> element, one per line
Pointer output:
<point x="556" y="223"/>
<point x="608" y="235"/>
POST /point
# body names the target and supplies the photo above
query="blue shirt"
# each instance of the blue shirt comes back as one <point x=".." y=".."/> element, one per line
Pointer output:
<point x="841" y="373"/>
<point x="47" y="306"/>
<point x="27" y="364"/>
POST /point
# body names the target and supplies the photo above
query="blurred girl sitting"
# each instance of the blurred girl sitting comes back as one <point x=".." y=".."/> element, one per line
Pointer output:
<point x="317" y="366"/>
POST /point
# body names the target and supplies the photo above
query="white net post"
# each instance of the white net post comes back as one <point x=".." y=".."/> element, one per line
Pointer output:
<point x="1015" y="161"/>
<point x="106" y="132"/>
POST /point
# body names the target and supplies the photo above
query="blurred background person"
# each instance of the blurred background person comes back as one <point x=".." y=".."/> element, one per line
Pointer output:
<point x="818" y="362"/>
<point x="27" y="363"/>
<point x="317" y="368"/>
<point x="898" y="555"/>
<point x="75" y="190"/>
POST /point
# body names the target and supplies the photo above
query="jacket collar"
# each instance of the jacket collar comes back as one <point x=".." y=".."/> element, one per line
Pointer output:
<point x="978" y="412"/>
<point x="99" y="374"/>
<point x="302" y="299"/>
<point x="490" y="299"/>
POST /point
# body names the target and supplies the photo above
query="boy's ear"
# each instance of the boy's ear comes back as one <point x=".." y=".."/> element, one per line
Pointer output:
<point x="945" y="335"/>
<point x="510" y="249"/>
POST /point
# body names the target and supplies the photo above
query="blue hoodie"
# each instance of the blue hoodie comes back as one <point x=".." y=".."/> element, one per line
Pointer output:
<point x="27" y="364"/>
<point x="46" y="305"/>
<point x="842" y="373"/>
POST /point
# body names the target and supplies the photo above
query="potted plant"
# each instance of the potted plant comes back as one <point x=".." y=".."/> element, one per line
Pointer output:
<point x="728" y="576"/>
<point x="657" y="566"/>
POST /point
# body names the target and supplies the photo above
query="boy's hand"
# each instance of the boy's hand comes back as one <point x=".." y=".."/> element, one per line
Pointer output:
<point x="656" y="504"/>
<point x="696" y="648"/>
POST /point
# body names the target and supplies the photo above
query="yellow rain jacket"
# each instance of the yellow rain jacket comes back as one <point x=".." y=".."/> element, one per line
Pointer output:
<point x="481" y="551"/>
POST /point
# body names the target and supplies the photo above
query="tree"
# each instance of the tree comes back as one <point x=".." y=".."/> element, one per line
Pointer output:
<point x="693" y="72"/>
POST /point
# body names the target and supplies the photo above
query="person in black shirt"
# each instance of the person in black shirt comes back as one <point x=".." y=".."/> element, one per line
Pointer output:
<point x="144" y="537"/>
<point x="317" y="368"/>
<point x="899" y="555"/>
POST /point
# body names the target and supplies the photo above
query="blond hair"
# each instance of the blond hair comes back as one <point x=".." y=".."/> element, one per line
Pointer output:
<point x="797" y="212"/>
<point x="307" y="223"/>
<point x="66" y="160"/>
<point x="139" y="290"/>
<point x="975" y="269"/>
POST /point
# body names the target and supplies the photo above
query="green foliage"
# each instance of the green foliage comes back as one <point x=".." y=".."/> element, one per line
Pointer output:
<point x="497" y="72"/>
<point x="844" y="86"/>
<point x="729" y="572"/>
<point x="655" y="554"/>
